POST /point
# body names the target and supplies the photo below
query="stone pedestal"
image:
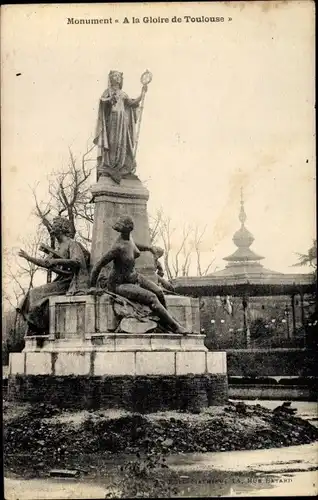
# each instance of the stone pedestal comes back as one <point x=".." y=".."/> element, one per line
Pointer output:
<point x="112" y="201"/>
<point x="83" y="363"/>
<point x="76" y="317"/>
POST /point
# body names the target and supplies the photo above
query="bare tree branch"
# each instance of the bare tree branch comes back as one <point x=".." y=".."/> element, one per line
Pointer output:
<point x="165" y="233"/>
<point x="42" y="213"/>
<point x="70" y="196"/>
<point x="182" y="248"/>
<point x="178" y="252"/>
<point x="19" y="273"/>
<point x="154" y="225"/>
<point x="198" y="237"/>
<point x="207" y="269"/>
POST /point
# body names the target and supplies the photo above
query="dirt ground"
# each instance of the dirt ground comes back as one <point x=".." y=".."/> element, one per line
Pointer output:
<point x="41" y="437"/>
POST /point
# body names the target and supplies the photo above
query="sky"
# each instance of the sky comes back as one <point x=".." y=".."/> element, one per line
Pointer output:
<point x="231" y="105"/>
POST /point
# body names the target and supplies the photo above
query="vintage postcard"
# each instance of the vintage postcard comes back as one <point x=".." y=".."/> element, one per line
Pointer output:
<point x="159" y="252"/>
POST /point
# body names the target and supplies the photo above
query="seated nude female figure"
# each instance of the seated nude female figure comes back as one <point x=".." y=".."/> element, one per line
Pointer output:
<point x="126" y="281"/>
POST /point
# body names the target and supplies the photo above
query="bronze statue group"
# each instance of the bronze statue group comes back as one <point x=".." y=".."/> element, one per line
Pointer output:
<point x="74" y="277"/>
<point x="116" y="142"/>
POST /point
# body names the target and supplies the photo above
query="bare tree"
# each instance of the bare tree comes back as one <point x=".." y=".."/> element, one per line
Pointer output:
<point x="154" y="225"/>
<point x="18" y="279"/>
<point x="179" y="248"/>
<point x="198" y="236"/>
<point x="173" y="266"/>
<point x="68" y="195"/>
<point x="19" y="274"/>
<point x="165" y="235"/>
<point x="181" y="259"/>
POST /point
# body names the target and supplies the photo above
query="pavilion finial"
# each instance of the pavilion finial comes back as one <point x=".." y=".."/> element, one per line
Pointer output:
<point x="243" y="239"/>
<point x="242" y="215"/>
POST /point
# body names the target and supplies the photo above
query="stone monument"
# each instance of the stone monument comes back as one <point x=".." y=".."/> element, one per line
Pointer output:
<point x="87" y="356"/>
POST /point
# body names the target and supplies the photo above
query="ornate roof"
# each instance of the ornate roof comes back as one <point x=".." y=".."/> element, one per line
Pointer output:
<point x="254" y="284"/>
<point x="244" y="273"/>
<point x="244" y="262"/>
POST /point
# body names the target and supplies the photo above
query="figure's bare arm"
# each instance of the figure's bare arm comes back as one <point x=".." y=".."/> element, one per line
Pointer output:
<point x="156" y="251"/>
<point x="45" y="263"/>
<point x="106" y="259"/>
<point x="143" y="248"/>
<point x="38" y="262"/>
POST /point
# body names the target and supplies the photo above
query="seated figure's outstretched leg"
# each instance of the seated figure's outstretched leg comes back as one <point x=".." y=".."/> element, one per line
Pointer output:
<point x="138" y="294"/>
<point x="152" y="287"/>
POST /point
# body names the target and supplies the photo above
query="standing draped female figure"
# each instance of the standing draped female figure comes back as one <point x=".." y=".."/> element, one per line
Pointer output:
<point x="115" y="135"/>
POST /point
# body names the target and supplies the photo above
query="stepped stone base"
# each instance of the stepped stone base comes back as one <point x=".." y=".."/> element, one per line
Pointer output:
<point x="142" y="381"/>
<point x="82" y="363"/>
<point x="132" y="362"/>
<point x="116" y="342"/>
